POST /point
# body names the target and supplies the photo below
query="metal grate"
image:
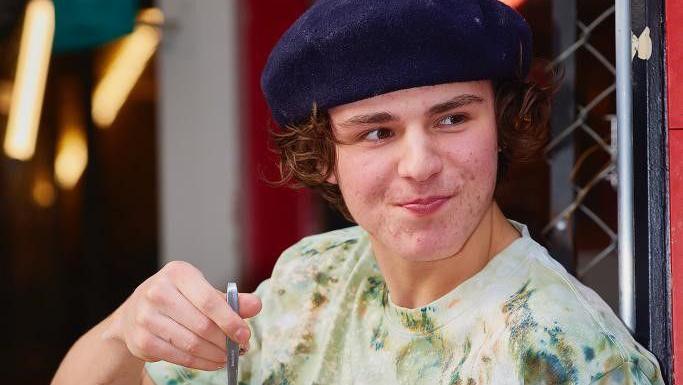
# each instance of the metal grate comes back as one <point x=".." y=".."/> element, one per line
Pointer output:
<point x="582" y="150"/>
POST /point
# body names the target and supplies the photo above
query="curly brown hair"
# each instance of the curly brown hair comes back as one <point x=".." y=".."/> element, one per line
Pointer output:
<point x="307" y="150"/>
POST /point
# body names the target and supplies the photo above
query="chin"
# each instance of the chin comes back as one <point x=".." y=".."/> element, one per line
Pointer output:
<point x="421" y="239"/>
<point x="425" y="246"/>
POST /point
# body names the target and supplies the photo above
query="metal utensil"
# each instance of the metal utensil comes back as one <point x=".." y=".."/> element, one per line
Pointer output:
<point x="233" y="347"/>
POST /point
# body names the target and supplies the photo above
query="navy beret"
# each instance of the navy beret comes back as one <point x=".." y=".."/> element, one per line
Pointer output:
<point x="341" y="51"/>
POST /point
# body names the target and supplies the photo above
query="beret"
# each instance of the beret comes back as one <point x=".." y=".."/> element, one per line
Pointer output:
<point x="341" y="51"/>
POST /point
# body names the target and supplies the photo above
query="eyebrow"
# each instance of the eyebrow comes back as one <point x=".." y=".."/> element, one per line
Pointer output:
<point x="456" y="102"/>
<point x="375" y="118"/>
<point x="385" y="117"/>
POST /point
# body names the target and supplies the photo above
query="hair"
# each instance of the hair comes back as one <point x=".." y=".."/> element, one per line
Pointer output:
<point x="522" y="108"/>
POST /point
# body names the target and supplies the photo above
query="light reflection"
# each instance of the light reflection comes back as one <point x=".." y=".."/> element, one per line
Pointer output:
<point x="5" y="96"/>
<point x="72" y="156"/>
<point x="29" y="85"/>
<point x="514" y="3"/>
<point x="43" y="192"/>
<point x="125" y="69"/>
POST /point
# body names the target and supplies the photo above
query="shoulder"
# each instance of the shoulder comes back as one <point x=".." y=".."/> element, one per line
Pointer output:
<point x="335" y="248"/>
<point x="310" y="270"/>
<point x="559" y="327"/>
<point x="322" y="243"/>
<point x="305" y="295"/>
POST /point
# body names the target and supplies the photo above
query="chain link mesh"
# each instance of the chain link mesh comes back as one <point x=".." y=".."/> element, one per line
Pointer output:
<point x="590" y="219"/>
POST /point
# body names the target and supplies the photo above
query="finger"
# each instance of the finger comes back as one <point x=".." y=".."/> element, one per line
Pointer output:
<point x="167" y="352"/>
<point x="185" y="340"/>
<point x="180" y="309"/>
<point x="250" y="305"/>
<point x="209" y="301"/>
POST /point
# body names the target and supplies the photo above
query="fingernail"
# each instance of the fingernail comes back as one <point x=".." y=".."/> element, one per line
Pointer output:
<point x="241" y="336"/>
<point x="244" y="349"/>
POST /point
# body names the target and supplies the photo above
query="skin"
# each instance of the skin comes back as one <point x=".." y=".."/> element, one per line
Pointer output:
<point x="174" y="316"/>
<point x="427" y="142"/>
<point x="416" y="146"/>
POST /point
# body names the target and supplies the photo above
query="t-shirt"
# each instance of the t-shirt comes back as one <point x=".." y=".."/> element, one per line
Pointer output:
<point x="328" y="318"/>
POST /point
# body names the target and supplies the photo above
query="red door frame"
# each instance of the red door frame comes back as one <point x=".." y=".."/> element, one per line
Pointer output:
<point x="674" y="60"/>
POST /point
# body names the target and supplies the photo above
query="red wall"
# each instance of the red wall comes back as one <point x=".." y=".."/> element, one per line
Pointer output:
<point x="278" y="217"/>
<point x="676" y="198"/>
<point x="674" y="48"/>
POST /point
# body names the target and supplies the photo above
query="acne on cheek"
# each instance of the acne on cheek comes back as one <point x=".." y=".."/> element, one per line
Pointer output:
<point x="481" y="178"/>
<point x="479" y="167"/>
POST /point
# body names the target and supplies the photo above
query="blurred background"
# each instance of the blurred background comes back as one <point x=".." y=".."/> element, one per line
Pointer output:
<point x="134" y="133"/>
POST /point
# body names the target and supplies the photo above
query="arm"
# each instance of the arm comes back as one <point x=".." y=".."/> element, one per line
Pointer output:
<point x="98" y="358"/>
<point x="628" y="372"/>
<point x="174" y="316"/>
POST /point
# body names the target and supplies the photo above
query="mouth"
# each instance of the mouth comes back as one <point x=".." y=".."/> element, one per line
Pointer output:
<point x="426" y="205"/>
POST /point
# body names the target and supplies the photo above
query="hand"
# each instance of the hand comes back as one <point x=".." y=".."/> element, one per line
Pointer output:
<point x="177" y="316"/>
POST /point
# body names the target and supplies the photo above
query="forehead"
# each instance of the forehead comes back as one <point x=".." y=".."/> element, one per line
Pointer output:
<point x="416" y="99"/>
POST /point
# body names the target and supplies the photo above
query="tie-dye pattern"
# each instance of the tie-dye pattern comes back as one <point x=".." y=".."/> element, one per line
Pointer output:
<point x="328" y="319"/>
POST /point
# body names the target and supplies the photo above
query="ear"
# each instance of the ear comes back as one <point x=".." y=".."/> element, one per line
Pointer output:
<point x="332" y="179"/>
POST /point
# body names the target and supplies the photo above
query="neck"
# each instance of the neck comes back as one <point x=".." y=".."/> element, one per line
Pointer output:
<point x="415" y="284"/>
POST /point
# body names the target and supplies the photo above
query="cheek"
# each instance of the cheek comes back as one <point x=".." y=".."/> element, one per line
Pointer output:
<point x="484" y="167"/>
<point x="477" y="155"/>
<point x="361" y="178"/>
<point x="476" y="162"/>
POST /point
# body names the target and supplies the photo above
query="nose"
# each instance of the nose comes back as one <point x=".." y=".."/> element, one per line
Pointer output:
<point x="420" y="158"/>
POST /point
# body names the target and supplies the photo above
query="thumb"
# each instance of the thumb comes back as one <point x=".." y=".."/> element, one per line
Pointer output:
<point x="250" y="304"/>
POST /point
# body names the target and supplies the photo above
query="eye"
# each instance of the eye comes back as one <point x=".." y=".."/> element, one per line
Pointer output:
<point x="378" y="134"/>
<point x="452" y="120"/>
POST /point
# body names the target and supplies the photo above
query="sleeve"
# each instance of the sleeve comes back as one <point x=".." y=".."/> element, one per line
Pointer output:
<point x="629" y="372"/>
<point x="250" y="363"/>
<point x="166" y="373"/>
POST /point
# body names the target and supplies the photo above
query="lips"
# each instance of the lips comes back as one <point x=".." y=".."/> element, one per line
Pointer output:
<point x="426" y="205"/>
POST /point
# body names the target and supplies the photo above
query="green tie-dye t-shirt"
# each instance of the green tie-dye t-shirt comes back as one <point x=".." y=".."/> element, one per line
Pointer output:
<point x="328" y="318"/>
